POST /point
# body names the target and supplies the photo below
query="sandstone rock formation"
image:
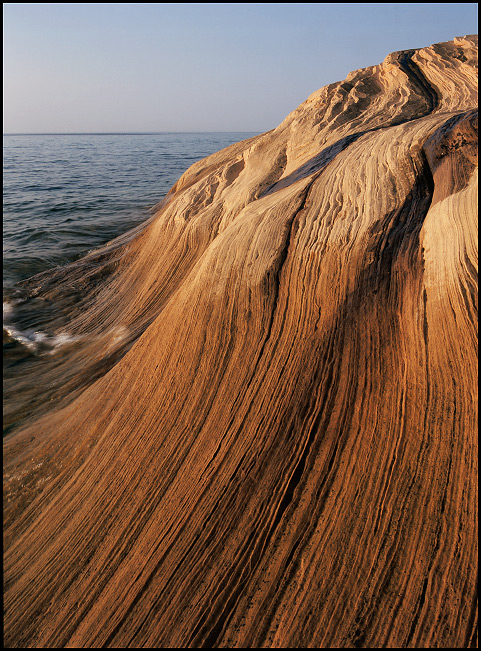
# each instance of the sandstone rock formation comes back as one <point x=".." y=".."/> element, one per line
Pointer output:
<point x="264" y="434"/>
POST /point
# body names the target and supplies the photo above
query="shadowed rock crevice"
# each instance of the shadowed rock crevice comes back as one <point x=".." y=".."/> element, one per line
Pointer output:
<point x="415" y="74"/>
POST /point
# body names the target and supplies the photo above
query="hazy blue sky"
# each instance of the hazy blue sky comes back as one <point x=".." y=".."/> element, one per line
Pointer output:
<point x="196" y="66"/>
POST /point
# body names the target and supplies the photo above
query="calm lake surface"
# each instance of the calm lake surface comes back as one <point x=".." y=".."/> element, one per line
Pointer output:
<point x="67" y="194"/>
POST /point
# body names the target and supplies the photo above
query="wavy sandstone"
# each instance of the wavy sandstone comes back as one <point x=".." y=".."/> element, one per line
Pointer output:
<point x="265" y="433"/>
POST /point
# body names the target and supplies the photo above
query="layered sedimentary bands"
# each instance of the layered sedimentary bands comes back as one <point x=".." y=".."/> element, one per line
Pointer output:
<point x="263" y="431"/>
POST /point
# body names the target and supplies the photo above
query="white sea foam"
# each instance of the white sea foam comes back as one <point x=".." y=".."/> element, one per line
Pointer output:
<point x="36" y="340"/>
<point x="7" y="310"/>
<point x="120" y="334"/>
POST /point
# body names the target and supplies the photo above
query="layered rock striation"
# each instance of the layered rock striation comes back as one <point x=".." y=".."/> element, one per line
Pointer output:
<point x="265" y="433"/>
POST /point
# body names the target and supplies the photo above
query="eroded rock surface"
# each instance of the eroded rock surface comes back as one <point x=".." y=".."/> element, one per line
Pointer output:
<point x="265" y="433"/>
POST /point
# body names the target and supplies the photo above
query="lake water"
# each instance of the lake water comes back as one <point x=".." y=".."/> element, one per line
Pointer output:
<point x="67" y="194"/>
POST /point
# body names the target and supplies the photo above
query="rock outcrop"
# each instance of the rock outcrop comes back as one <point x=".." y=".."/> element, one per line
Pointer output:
<point x="265" y="432"/>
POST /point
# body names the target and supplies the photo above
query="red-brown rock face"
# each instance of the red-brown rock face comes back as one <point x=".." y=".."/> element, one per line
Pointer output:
<point x="265" y="435"/>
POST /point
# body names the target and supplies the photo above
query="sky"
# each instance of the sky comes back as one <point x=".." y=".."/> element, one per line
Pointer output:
<point x="156" y="67"/>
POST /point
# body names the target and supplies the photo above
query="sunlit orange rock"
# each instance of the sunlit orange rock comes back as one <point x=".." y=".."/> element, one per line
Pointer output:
<point x="265" y="432"/>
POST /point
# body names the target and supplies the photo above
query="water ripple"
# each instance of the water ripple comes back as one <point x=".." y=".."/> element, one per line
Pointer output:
<point x="67" y="194"/>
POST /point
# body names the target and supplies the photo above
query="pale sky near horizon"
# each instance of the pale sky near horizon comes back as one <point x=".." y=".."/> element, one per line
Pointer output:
<point x="123" y="67"/>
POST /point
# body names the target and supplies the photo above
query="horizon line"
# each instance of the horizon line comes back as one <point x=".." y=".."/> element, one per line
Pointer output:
<point x="114" y="133"/>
